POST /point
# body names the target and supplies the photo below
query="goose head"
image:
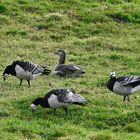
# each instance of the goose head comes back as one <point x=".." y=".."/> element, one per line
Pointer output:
<point x="61" y="53"/>
<point x="8" y="70"/>
<point x="35" y="103"/>
<point x="112" y="74"/>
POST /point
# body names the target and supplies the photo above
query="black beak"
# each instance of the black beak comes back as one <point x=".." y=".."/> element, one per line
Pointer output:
<point x="56" y="53"/>
<point x="4" y="79"/>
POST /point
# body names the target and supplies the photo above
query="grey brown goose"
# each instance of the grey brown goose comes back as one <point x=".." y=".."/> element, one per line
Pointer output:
<point x="67" y="70"/>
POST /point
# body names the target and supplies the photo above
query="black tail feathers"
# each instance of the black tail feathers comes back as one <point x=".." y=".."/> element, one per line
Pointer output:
<point x="81" y="103"/>
<point x="46" y="70"/>
<point x="83" y="72"/>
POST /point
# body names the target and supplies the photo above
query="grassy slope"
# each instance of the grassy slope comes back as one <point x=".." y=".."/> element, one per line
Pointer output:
<point x="33" y="30"/>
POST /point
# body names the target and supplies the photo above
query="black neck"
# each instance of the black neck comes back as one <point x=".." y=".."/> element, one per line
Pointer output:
<point x="111" y="83"/>
<point x="44" y="103"/>
<point x="10" y="70"/>
<point x="13" y="72"/>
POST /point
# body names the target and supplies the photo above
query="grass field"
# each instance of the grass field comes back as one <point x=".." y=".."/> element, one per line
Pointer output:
<point x="98" y="35"/>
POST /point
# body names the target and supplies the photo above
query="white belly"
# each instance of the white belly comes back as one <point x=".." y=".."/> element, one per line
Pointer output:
<point x="136" y="89"/>
<point x="122" y="90"/>
<point x="22" y="74"/>
<point x="125" y="90"/>
<point x="54" y="103"/>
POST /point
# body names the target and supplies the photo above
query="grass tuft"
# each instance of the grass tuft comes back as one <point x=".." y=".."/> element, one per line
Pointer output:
<point x="2" y="9"/>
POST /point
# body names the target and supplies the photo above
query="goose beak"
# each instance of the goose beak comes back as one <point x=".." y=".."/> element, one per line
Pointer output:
<point x="56" y="53"/>
<point x="5" y="76"/>
<point x="4" y="79"/>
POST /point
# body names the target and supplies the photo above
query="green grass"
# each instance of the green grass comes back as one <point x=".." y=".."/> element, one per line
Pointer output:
<point x="93" y="38"/>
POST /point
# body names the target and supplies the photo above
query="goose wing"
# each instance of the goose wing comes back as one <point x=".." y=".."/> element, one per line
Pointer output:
<point x="129" y="80"/>
<point x="69" y="96"/>
<point x="66" y="68"/>
<point x="29" y="66"/>
<point x="65" y="96"/>
<point x="73" y="67"/>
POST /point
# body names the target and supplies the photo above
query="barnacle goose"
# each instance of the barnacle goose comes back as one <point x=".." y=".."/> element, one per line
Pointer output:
<point x="69" y="70"/>
<point x="59" y="98"/>
<point x="25" y="71"/>
<point x="124" y="86"/>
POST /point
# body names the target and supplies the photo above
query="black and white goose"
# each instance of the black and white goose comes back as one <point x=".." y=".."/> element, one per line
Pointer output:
<point x="69" y="70"/>
<point x="124" y="86"/>
<point x="59" y="98"/>
<point x="24" y="71"/>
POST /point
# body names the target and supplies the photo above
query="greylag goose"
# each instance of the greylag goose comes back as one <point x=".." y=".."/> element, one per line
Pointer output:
<point x="67" y="70"/>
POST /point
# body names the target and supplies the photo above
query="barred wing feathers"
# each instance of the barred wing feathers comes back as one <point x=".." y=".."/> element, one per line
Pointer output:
<point x="130" y="80"/>
<point x="68" y="96"/>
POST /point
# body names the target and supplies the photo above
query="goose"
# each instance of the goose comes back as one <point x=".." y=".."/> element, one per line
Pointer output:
<point x="69" y="70"/>
<point x="59" y="98"/>
<point x="124" y="86"/>
<point x="24" y="70"/>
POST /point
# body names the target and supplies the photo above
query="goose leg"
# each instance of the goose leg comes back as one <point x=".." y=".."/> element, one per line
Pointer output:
<point x="54" y="111"/>
<point x="21" y="81"/>
<point x="66" y="110"/>
<point x="28" y="83"/>
<point x="128" y="98"/>
<point x="124" y="98"/>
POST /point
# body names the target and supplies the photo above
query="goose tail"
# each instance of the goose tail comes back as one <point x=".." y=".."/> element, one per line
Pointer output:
<point x="78" y="100"/>
<point x="83" y="72"/>
<point x="46" y="70"/>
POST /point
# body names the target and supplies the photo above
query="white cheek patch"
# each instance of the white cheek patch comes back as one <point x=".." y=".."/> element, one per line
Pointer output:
<point x="33" y="106"/>
<point x="6" y="75"/>
<point x="113" y="74"/>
